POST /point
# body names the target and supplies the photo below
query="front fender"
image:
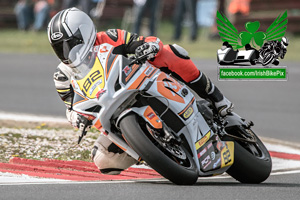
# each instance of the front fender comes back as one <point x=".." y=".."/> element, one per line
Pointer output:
<point x="146" y="112"/>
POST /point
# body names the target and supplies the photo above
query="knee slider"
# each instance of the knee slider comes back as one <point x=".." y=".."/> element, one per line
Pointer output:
<point x="179" y="51"/>
<point x="109" y="162"/>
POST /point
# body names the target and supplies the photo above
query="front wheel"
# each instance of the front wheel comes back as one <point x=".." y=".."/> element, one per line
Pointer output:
<point x="252" y="161"/>
<point x="173" y="162"/>
<point x="268" y="58"/>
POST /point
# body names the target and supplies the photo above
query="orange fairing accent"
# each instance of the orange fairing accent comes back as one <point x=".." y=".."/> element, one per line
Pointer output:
<point x="98" y="125"/>
<point x="192" y="101"/>
<point x="106" y="71"/>
<point x="140" y="80"/>
<point x="169" y="88"/>
<point x="83" y="99"/>
<point x="134" y="68"/>
<point x="150" y="115"/>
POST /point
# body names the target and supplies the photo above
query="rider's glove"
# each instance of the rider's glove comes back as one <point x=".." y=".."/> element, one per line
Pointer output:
<point x="150" y="49"/>
<point x="78" y="121"/>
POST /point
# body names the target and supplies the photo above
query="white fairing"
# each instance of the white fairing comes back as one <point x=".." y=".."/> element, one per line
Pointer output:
<point x="111" y="101"/>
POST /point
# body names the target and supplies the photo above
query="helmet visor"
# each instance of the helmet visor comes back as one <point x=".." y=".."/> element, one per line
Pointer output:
<point x="62" y="48"/>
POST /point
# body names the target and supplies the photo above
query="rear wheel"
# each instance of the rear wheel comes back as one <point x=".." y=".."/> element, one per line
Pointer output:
<point x="252" y="161"/>
<point x="173" y="162"/>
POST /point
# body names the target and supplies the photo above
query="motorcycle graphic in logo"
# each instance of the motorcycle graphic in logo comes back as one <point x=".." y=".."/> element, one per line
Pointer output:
<point x="272" y="44"/>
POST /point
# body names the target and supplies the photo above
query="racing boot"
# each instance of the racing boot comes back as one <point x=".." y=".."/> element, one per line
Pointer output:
<point x="207" y="90"/>
<point x="109" y="158"/>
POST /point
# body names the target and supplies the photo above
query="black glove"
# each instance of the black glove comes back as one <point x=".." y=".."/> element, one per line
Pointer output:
<point x="82" y="122"/>
<point x="77" y="120"/>
<point x="149" y="50"/>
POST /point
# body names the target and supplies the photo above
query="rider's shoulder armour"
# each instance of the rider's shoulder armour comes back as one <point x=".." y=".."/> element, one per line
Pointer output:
<point x="179" y="51"/>
<point x="113" y="34"/>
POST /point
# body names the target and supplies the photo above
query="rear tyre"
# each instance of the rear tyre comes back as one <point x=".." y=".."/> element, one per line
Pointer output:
<point x="179" y="171"/>
<point x="252" y="161"/>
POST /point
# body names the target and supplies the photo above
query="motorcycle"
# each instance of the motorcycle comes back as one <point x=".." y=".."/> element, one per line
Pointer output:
<point x="269" y="54"/>
<point x="156" y="119"/>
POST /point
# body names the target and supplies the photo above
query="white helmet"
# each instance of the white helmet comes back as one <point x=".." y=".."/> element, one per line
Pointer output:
<point x="284" y="42"/>
<point x="72" y="35"/>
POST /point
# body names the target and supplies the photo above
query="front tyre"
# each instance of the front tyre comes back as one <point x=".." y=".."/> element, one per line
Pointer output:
<point x="181" y="172"/>
<point x="252" y="161"/>
<point x="268" y="58"/>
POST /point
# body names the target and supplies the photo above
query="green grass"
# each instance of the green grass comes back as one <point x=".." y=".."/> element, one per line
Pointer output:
<point x="47" y="143"/>
<point x="15" y="41"/>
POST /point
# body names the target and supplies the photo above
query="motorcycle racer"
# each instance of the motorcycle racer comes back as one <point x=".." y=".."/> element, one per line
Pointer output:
<point x="278" y="48"/>
<point x="72" y="35"/>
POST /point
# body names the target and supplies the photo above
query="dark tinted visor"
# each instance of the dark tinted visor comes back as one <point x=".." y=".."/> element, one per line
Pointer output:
<point x="63" y="47"/>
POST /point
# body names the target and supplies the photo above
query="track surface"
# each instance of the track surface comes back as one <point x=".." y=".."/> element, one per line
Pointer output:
<point x="26" y="86"/>
<point x="277" y="187"/>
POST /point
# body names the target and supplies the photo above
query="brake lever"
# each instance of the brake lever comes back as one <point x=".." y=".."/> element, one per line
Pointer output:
<point x="83" y="133"/>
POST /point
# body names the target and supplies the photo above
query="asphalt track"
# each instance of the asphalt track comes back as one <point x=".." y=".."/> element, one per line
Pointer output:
<point x="277" y="187"/>
<point x="26" y="86"/>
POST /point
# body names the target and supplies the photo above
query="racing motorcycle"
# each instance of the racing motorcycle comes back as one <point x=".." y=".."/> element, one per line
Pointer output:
<point x="269" y="56"/>
<point x="271" y="51"/>
<point x="157" y="119"/>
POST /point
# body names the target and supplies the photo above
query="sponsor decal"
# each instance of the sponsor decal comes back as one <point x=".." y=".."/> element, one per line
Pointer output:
<point x="127" y="70"/>
<point x="151" y="115"/>
<point x="152" y="118"/>
<point x="205" y="162"/>
<point x="209" y="145"/>
<point x="227" y="154"/>
<point x="213" y="155"/>
<point x="94" y="86"/>
<point x="203" y="140"/>
<point x="217" y="163"/>
<point x="188" y="113"/>
<point x="148" y="71"/>
<point x="103" y="49"/>
<point x="57" y="35"/>
<point x="100" y="93"/>
<point x="220" y="145"/>
<point x="203" y="152"/>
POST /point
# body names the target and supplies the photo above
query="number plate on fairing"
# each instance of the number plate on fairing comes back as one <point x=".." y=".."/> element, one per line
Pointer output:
<point x="93" y="81"/>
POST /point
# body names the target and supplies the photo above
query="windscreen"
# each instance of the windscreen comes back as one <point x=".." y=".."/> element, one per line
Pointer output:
<point x="86" y="65"/>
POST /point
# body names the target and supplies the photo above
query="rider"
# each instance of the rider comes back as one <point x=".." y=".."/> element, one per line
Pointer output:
<point x="280" y="47"/>
<point x="71" y="30"/>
